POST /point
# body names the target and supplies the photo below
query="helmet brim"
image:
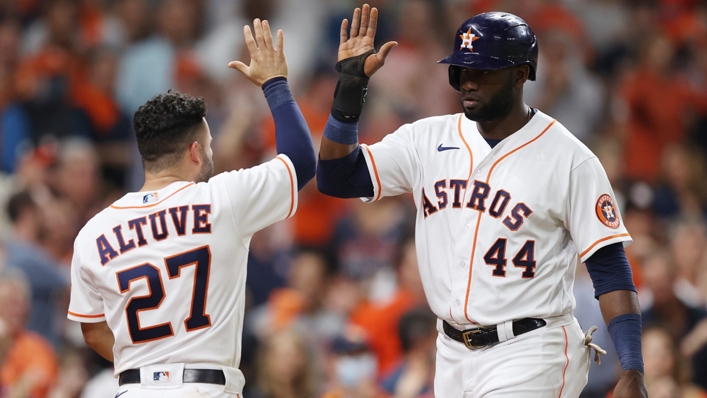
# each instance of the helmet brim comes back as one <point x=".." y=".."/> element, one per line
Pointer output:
<point x="475" y="61"/>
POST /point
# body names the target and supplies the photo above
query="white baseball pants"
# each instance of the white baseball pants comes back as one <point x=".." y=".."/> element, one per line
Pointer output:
<point x="549" y="362"/>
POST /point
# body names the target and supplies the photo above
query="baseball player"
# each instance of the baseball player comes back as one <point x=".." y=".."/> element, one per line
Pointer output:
<point x="507" y="202"/>
<point x="158" y="277"/>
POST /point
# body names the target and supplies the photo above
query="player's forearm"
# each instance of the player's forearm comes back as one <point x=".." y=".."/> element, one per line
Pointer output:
<point x="622" y="315"/>
<point x="340" y="139"/>
<point x="617" y="303"/>
<point x="292" y="136"/>
<point x="333" y="150"/>
<point x="99" y="337"/>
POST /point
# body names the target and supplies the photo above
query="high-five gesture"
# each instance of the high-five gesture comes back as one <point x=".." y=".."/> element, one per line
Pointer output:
<point x="360" y="39"/>
<point x="266" y="60"/>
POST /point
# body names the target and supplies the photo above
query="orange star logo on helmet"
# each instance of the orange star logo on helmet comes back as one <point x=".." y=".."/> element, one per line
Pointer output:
<point x="467" y="39"/>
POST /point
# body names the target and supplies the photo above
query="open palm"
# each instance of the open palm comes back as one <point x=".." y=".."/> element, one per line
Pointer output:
<point x="360" y="39"/>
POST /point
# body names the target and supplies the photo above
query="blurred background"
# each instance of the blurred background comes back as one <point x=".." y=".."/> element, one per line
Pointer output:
<point x="335" y="306"/>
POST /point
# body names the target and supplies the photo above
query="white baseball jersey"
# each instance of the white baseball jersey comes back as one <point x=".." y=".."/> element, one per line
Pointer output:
<point x="498" y="231"/>
<point x="167" y="269"/>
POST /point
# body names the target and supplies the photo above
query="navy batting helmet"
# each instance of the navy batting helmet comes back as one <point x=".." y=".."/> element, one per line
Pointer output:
<point x="492" y="40"/>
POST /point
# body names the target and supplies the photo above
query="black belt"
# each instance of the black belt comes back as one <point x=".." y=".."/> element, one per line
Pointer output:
<point x="210" y="376"/>
<point x="478" y="338"/>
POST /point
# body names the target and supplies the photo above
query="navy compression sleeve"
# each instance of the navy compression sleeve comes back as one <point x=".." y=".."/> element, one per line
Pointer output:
<point x="609" y="269"/>
<point x="292" y="136"/>
<point x="346" y="177"/>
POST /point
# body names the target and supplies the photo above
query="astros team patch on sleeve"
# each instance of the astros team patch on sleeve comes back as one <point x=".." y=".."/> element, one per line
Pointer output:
<point x="606" y="212"/>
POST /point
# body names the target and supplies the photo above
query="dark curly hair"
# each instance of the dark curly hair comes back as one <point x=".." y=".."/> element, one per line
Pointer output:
<point x="165" y="126"/>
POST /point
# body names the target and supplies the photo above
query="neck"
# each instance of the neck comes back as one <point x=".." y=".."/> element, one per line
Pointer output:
<point x="498" y="129"/>
<point x="157" y="181"/>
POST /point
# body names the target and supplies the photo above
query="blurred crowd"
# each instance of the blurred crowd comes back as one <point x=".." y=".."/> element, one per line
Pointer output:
<point x="335" y="306"/>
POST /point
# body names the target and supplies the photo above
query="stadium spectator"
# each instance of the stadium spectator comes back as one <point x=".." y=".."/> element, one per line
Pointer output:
<point x="31" y="366"/>
<point x="414" y="374"/>
<point x="24" y="253"/>
<point x="668" y="311"/>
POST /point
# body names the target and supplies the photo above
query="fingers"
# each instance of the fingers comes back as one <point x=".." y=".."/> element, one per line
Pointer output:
<point x="365" y="13"/>
<point x="385" y="49"/>
<point x="259" y="35"/>
<point x="355" y="22"/>
<point x="267" y="34"/>
<point x="249" y="40"/>
<point x="343" y="34"/>
<point x="372" y="23"/>
<point x="280" y="41"/>
<point x="239" y="66"/>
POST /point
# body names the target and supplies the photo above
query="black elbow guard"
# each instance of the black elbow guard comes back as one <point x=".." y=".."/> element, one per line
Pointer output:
<point x="351" y="89"/>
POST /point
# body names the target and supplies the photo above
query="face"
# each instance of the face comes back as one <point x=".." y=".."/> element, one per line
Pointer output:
<point x="486" y="94"/>
<point x="207" y="155"/>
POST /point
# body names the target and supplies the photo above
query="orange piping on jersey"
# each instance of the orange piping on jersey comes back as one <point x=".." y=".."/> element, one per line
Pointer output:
<point x="153" y="204"/>
<point x="478" y="219"/>
<point x="375" y="171"/>
<point x="567" y="363"/>
<point x="471" y="155"/>
<point x="86" y="316"/>
<point x="292" y="190"/>
<point x="488" y="177"/>
<point x="471" y="263"/>
<point x="602" y="240"/>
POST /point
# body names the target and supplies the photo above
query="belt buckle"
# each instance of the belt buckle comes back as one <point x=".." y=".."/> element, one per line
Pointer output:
<point x="467" y="338"/>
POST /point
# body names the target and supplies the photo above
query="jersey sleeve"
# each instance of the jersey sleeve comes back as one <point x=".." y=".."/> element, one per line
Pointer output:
<point x="392" y="163"/>
<point x="86" y="304"/>
<point x="261" y="195"/>
<point x="594" y="220"/>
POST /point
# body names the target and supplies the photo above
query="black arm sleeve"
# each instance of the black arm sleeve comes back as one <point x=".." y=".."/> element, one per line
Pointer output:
<point x="346" y="177"/>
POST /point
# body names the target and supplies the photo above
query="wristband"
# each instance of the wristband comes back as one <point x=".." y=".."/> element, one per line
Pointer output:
<point x="345" y="133"/>
<point x="351" y="89"/>
<point x="625" y="331"/>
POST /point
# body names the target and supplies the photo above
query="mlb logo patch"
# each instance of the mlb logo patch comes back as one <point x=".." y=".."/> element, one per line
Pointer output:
<point x="150" y="197"/>
<point x="160" y="376"/>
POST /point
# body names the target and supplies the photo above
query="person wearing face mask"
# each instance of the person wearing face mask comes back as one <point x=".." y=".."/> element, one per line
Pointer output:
<point x="352" y="367"/>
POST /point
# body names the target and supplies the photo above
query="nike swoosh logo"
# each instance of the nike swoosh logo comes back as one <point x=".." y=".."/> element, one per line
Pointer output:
<point x="120" y="393"/>
<point x="441" y="148"/>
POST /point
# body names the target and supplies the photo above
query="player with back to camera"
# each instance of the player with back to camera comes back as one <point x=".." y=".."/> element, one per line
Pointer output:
<point x="507" y="203"/>
<point x="158" y="278"/>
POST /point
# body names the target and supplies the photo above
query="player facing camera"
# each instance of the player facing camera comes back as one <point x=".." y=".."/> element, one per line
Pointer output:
<point x="498" y="238"/>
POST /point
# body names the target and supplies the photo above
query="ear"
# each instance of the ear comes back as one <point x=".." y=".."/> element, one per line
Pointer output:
<point x="520" y="75"/>
<point x="194" y="153"/>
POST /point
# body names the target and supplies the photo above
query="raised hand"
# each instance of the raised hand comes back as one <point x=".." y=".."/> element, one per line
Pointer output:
<point x="360" y="39"/>
<point x="266" y="60"/>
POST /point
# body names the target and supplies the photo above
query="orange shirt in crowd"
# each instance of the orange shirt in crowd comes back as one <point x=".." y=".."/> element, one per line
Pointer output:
<point x="381" y="325"/>
<point x="30" y="360"/>
<point x="99" y="105"/>
<point x="687" y="27"/>
<point x="657" y="109"/>
<point x="50" y="61"/>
